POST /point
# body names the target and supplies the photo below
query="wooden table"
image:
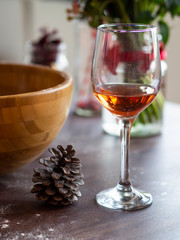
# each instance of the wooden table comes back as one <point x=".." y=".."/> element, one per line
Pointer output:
<point x="155" y="167"/>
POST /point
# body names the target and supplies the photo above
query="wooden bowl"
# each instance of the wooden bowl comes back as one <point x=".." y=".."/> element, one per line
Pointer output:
<point x="34" y="103"/>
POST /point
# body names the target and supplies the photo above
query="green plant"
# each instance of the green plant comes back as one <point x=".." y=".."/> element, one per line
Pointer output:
<point x="97" y="12"/>
<point x="137" y="11"/>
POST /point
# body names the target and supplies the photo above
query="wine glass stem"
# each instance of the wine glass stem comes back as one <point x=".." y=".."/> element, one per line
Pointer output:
<point x="125" y="128"/>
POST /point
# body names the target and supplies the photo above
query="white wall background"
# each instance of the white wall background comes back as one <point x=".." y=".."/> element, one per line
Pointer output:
<point x="173" y="60"/>
<point x="21" y="19"/>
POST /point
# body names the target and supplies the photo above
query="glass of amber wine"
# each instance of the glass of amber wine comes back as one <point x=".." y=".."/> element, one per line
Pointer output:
<point x="126" y="76"/>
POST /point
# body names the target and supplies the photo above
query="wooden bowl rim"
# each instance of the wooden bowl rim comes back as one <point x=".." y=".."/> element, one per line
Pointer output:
<point x="66" y="83"/>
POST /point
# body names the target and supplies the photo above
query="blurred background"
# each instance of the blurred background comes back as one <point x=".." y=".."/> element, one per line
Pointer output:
<point x="20" y="21"/>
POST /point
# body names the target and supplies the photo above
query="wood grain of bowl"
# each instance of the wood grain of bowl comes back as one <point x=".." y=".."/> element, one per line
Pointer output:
<point x="34" y="104"/>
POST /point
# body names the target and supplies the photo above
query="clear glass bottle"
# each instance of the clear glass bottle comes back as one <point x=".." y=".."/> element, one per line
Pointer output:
<point x="86" y="104"/>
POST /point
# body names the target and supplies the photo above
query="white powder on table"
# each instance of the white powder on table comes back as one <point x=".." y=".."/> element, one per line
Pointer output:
<point x="5" y="209"/>
<point x="51" y="234"/>
<point x="4" y="226"/>
<point x="18" y="180"/>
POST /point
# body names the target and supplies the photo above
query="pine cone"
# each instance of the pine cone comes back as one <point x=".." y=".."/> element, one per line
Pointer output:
<point x="58" y="183"/>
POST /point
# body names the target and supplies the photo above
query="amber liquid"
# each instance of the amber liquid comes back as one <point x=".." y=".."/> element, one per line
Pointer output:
<point x="125" y="100"/>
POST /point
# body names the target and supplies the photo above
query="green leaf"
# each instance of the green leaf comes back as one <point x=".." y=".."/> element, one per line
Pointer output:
<point x="94" y="22"/>
<point x="173" y="7"/>
<point x="145" y="17"/>
<point x="164" y="30"/>
<point x="168" y="3"/>
<point x="175" y="11"/>
<point x="172" y="3"/>
<point x="142" y="117"/>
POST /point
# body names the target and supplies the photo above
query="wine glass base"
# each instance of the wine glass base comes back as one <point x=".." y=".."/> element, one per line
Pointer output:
<point x="114" y="198"/>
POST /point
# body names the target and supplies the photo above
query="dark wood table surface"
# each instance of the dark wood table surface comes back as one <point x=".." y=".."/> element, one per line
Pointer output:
<point x="155" y="167"/>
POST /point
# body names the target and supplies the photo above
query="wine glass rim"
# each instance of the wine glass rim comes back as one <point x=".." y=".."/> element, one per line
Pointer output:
<point x="114" y="27"/>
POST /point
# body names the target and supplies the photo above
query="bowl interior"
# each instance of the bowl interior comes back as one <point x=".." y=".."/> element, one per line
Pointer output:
<point x="20" y="79"/>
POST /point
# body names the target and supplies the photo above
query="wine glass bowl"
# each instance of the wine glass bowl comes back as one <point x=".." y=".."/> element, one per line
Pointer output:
<point x="127" y="100"/>
<point x="34" y="103"/>
<point x="126" y="76"/>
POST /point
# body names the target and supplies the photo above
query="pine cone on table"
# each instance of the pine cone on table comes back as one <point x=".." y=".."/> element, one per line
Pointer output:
<point x="58" y="183"/>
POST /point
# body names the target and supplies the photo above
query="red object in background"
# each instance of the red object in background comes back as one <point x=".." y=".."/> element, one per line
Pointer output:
<point x="163" y="53"/>
<point x="46" y="48"/>
<point x="75" y="7"/>
<point x="132" y="56"/>
<point x="113" y="56"/>
<point x="89" y="104"/>
<point x="147" y="59"/>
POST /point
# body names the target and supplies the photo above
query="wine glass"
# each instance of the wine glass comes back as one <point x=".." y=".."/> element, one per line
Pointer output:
<point x="126" y="76"/>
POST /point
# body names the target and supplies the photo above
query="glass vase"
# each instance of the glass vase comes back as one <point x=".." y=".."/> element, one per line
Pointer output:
<point x="149" y="122"/>
<point x="86" y="104"/>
